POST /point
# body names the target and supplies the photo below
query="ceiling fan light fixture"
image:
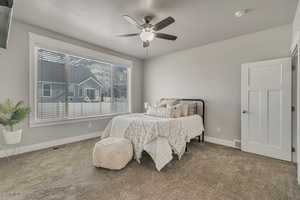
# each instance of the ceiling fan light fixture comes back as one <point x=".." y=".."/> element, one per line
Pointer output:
<point x="147" y="35"/>
<point x="149" y="31"/>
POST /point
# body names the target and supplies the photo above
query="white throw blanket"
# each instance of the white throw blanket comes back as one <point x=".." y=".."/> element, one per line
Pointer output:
<point x="157" y="136"/>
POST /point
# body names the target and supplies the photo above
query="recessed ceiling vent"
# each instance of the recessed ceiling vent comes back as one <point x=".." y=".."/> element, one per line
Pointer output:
<point x="6" y="7"/>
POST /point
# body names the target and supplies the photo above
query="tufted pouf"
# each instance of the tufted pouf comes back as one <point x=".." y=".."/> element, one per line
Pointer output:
<point x="112" y="153"/>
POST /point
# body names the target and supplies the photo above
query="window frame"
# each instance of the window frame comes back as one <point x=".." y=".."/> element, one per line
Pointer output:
<point x="82" y="92"/>
<point x="37" y="42"/>
<point x="74" y="92"/>
<point x="43" y="90"/>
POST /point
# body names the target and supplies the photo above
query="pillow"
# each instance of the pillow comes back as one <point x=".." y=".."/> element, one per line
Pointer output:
<point x="192" y="109"/>
<point x="184" y="109"/>
<point x="159" y="112"/>
<point x="175" y="110"/>
<point x="170" y="102"/>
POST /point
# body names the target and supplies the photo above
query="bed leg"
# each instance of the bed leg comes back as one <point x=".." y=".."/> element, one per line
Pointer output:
<point x="199" y="139"/>
<point x="186" y="148"/>
<point x="203" y="136"/>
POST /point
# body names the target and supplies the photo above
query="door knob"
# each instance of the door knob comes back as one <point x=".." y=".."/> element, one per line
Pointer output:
<point x="245" y="112"/>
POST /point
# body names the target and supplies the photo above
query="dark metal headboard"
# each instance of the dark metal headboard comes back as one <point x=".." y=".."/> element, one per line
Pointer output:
<point x="202" y="114"/>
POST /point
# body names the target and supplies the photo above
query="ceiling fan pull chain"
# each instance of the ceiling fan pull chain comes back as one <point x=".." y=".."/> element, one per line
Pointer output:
<point x="147" y="51"/>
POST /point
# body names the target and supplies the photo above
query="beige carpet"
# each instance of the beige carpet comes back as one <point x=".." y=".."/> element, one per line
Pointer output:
<point x="207" y="171"/>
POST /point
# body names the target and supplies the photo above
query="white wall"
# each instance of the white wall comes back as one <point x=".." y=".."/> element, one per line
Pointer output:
<point x="14" y="83"/>
<point x="296" y="25"/>
<point x="213" y="72"/>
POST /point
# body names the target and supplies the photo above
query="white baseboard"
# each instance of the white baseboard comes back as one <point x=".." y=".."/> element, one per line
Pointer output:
<point x="228" y="143"/>
<point x="45" y="145"/>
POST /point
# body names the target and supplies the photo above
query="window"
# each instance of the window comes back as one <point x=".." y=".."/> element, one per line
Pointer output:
<point x="71" y="91"/>
<point x="46" y="90"/>
<point x="81" y="86"/>
<point x="80" y="92"/>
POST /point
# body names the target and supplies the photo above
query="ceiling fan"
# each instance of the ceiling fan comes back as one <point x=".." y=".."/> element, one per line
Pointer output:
<point x="148" y="31"/>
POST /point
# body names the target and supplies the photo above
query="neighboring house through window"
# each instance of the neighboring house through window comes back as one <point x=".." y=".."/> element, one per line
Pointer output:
<point x="81" y="84"/>
<point x="92" y="86"/>
<point x="46" y="90"/>
<point x="90" y="93"/>
<point x="80" y="92"/>
<point x="71" y="91"/>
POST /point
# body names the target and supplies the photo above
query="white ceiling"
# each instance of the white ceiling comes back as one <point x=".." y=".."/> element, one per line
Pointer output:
<point x="198" y="22"/>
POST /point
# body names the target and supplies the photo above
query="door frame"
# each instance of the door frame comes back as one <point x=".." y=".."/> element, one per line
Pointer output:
<point x="295" y="131"/>
<point x="295" y="46"/>
<point x="91" y="89"/>
<point x="298" y="115"/>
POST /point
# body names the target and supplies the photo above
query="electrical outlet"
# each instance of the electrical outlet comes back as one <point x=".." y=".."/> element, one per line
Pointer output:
<point x="219" y="130"/>
<point x="90" y="125"/>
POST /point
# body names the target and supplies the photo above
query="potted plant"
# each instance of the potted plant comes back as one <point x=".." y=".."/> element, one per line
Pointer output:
<point x="10" y="115"/>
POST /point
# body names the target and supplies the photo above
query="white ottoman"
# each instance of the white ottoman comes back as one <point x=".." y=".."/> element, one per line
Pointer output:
<point x="112" y="153"/>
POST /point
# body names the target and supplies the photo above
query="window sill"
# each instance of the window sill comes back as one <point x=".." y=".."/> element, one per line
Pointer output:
<point x="36" y="124"/>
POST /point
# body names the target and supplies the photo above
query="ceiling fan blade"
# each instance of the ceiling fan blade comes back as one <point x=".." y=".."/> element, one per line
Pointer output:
<point x="164" y="23"/>
<point x="128" y="35"/>
<point x="165" y="36"/>
<point x="132" y="21"/>
<point x="146" y="44"/>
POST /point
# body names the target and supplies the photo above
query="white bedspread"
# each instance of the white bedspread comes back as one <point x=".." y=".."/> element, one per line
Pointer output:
<point x="157" y="136"/>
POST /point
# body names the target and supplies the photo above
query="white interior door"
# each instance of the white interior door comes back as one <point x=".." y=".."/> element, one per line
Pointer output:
<point x="266" y="108"/>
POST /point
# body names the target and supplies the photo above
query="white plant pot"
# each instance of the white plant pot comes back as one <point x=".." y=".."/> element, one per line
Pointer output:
<point x="12" y="137"/>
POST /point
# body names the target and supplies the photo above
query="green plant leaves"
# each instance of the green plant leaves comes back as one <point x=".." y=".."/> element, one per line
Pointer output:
<point x="7" y="107"/>
<point x="19" y="104"/>
<point x="11" y="114"/>
<point x="20" y="114"/>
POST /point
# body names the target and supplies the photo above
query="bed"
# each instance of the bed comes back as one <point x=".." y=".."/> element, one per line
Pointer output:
<point x="160" y="137"/>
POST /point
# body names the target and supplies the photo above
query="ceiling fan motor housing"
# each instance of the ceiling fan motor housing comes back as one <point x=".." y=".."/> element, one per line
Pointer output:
<point x="148" y="19"/>
<point x="149" y="31"/>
